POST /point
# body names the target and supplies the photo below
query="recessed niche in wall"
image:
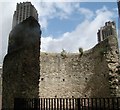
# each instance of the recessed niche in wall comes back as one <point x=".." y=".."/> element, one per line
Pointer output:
<point x="104" y="75"/>
<point x="63" y="79"/>
<point x="116" y="52"/>
<point x="42" y="79"/>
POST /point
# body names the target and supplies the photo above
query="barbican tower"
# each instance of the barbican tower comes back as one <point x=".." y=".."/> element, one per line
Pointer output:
<point x="119" y="7"/>
<point x="108" y="30"/>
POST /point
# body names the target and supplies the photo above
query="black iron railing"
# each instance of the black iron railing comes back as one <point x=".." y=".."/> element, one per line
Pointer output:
<point x="67" y="104"/>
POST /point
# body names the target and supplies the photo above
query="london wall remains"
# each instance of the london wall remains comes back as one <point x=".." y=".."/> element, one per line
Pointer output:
<point x="94" y="74"/>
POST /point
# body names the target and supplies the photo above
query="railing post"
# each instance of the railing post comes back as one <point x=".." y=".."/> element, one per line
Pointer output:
<point x="67" y="104"/>
<point x="78" y="104"/>
<point x="16" y="104"/>
<point x="36" y="104"/>
<point x="19" y="104"/>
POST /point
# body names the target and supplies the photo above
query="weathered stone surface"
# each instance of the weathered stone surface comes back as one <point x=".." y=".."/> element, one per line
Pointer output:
<point x="112" y="59"/>
<point x="85" y="76"/>
<point x="21" y="68"/>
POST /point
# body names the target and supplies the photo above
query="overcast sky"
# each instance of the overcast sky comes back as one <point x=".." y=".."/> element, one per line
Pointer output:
<point x="65" y="24"/>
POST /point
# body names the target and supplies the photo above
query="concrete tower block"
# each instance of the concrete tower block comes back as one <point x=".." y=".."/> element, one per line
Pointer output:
<point x="21" y="68"/>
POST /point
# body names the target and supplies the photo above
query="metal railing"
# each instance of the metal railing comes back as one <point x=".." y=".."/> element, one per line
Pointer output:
<point x="67" y="104"/>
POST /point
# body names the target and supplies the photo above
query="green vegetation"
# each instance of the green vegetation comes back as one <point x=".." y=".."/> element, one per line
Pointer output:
<point x="81" y="51"/>
<point x="63" y="54"/>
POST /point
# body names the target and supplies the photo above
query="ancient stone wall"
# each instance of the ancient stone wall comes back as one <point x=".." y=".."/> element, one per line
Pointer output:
<point x="21" y="69"/>
<point x="95" y="73"/>
<point x="89" y="75"/>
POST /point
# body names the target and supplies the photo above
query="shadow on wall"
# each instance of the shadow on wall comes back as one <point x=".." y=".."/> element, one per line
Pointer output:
<point x="21" y="70"/>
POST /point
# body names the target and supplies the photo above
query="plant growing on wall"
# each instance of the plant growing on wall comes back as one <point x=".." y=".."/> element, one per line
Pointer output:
<point x="63" y="53"/>
<point x="81" y="51"/>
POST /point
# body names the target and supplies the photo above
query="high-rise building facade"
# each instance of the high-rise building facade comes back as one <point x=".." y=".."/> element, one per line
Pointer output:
<point x="119" y="8"/>
<point x="23" y="11"/>
<point x="118" y="18"/>
<point x="106" y="31"/>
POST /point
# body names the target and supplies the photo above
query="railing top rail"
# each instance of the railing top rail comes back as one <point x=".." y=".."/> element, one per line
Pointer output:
<point x="71" y="98"/>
